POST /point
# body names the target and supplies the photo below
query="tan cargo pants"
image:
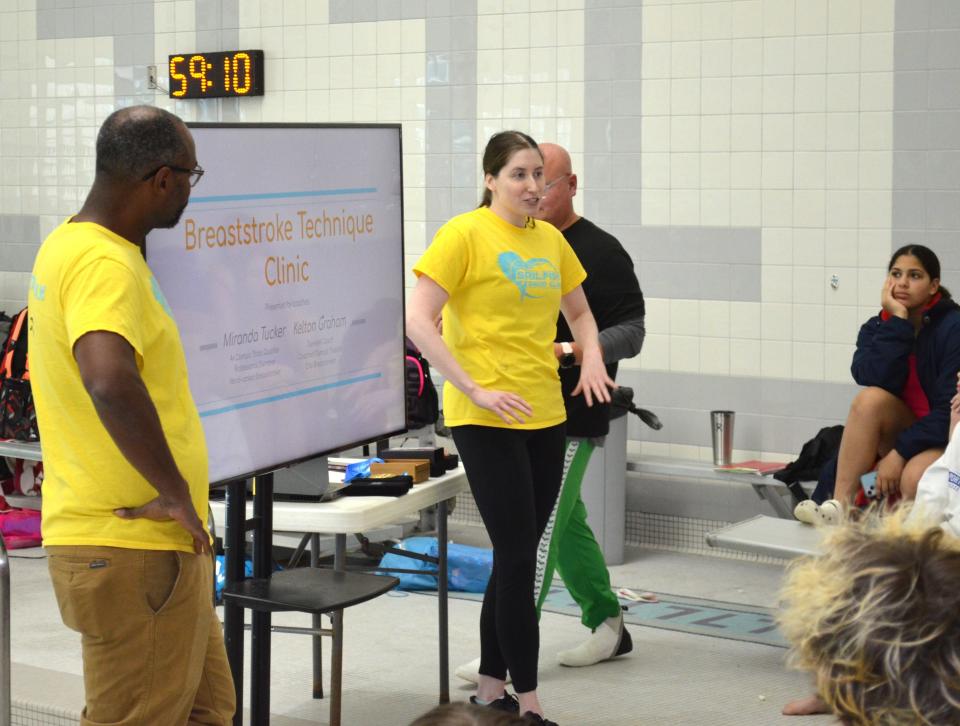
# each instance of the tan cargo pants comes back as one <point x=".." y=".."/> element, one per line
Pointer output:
<point x="152" y="644"/>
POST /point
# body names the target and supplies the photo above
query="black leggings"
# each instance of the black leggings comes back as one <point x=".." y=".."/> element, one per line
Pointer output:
<point x="515" y="476"/>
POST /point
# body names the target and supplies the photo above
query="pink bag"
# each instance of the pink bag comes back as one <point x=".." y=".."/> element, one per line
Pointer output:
<point x="20" y="527"/>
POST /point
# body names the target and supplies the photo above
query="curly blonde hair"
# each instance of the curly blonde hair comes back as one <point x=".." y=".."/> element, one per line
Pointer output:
<point x="877" y="620"/>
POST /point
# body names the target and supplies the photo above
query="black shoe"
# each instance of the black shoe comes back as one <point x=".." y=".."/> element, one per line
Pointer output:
<point x="537" y="718"/>
<point x="626" y="643"/>
<point x="506" y="702"/>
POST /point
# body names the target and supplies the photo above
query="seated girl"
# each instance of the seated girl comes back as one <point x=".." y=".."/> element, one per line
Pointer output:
<point x="907" y="359"/>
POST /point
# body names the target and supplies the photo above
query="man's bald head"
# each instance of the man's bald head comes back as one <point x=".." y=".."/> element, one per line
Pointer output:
<point x="134" y="141"/>
<point x="556" y="203"/>
<point x="556" y="156"/>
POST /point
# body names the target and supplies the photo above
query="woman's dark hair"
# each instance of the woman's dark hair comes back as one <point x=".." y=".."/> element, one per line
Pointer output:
<point x="500" y="148"/>
<point x="927" y="257"/>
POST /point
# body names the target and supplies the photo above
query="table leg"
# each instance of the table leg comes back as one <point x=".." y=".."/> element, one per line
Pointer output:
<point x="260" y="621"/>
<point x="317" y="624"/>
<point x="442" y="598"/>
<point x="336" y="656"/>
<point x="233" y="548"/>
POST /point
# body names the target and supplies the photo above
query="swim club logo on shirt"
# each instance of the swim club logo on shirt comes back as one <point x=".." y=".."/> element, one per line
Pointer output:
<point x="158" y="294"/>
<point x="530" y="276"/>
<point x="39" y="291"/>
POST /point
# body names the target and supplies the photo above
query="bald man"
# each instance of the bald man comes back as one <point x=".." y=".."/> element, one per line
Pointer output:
<point x="613" y="293"/>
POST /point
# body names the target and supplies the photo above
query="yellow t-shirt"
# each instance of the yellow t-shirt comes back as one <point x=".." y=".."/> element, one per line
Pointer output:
<point x="505" y="285"/>
<point x="85" y="279"/>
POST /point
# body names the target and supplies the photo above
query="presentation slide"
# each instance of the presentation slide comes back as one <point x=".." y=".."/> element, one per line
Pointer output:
<point x="285" y="277"/>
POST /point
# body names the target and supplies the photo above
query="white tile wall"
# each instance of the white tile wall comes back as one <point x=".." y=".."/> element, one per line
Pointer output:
<point x="756" y="113"/>
<point x="808" y="84"/>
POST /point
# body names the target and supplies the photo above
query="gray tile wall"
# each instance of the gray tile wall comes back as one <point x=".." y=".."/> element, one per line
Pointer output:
<point x="703" y="263"/>
<point x="452" y="172"/>
<point x="771" y="414"/>
<point x="672" y="262"/>
<point x="130" y="22"/>
<point x="926" y="130"/>
<point x="700" y="263"/>
<point x="19" y="242"/>
<point x="694" y="263"/>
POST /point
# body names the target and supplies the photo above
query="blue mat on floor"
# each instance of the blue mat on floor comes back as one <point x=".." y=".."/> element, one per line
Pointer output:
<point x="713" y="618"/>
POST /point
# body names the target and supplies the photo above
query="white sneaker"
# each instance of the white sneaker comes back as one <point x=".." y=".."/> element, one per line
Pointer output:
<point x="471" y="671"/>
<point x="608" y="641"/>
<point x="831" y="511"/>
<point x="807" y="512"/>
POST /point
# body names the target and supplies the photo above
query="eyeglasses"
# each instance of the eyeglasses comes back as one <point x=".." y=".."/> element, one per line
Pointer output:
<point x="550" y="185"/>
<point x="195" y="173"/>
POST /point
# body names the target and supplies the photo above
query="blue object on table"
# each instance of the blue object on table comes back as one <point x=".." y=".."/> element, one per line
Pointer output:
<point x="360" y="468"/>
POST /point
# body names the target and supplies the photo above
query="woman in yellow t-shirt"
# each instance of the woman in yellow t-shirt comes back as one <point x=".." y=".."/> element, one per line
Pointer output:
<point x="500" y="279"/>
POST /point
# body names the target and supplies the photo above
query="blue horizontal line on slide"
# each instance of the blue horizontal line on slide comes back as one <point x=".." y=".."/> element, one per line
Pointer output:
<point x="289" y="394"/>
<point x="282" y="195"/>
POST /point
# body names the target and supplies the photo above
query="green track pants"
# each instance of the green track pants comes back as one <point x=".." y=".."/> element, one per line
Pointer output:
<point x="569" y="546"/>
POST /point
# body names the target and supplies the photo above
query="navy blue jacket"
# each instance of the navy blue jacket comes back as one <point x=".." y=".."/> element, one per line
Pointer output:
<point x="881" y="359"/>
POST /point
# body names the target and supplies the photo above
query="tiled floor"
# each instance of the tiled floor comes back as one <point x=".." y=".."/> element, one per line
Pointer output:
<point x="390" y="658"/>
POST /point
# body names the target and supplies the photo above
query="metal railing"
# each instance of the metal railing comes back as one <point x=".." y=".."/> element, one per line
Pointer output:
<point x="4" y="635"/>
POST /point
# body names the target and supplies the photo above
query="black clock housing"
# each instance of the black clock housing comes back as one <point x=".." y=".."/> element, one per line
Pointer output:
<point x="222" y="74"/>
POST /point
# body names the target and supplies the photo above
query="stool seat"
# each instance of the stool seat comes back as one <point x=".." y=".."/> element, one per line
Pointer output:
<point x="308" y="590"/>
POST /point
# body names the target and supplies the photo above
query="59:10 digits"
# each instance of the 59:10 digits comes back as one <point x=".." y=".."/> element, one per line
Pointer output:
<point x="204" y="75"/>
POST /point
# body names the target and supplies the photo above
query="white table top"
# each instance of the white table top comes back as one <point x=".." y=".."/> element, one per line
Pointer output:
<point x="346" y="515"/>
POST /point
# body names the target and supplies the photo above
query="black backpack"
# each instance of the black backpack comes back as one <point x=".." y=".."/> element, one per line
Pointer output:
<point x="816" y="453"/>
<point x="423" y="406"/>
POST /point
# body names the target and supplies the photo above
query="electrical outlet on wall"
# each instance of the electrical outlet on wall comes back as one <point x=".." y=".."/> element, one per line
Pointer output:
<point x="152" y="77"/>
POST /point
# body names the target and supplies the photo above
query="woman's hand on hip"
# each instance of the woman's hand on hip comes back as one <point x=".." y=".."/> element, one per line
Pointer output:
<point x="508" y="406"/>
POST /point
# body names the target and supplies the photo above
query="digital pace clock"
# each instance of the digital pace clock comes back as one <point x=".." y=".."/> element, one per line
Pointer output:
<point x="224" y="74"/>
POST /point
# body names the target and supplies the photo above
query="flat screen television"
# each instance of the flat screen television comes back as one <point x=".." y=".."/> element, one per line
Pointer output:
<point x="285" y="276"/>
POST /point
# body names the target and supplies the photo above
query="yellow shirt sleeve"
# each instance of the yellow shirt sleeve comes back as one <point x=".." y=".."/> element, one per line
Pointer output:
<point x="446" y="259"/>
<point x="103" y="295"/>
<point x="571" y="271"/>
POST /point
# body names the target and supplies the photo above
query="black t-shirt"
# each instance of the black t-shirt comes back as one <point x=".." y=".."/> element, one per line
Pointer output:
<point x="614" y="296"/>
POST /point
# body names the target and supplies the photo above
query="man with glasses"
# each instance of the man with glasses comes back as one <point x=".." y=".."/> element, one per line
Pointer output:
<point x="195" y="173"/>
<point x="615" y="299"/>
<point x="123" y="448"/>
